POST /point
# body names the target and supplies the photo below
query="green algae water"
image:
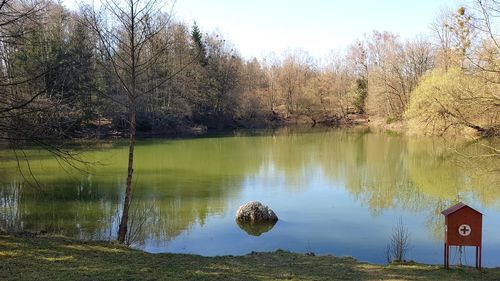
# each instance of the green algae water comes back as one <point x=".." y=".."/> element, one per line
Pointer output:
<point x="337" y="192"/>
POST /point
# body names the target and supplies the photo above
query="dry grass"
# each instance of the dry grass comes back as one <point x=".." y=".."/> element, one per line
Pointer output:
<point x="59" y="258"/>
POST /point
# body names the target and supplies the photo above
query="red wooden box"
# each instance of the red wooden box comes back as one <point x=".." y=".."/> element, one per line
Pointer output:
<point x="463" y="227"/>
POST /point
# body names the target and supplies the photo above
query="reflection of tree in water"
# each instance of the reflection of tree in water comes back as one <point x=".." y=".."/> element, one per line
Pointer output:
<point x="178" y="184"/>
<point x="83" y="211"/>
<point x="482" y="163"/>
<point x="384" y="171"/>
<point x="181" y="183"/>
<point x="10" y="217"/>
<point x="294" y="155"/>
<point x="164" y="215"/>
<point x="371" y="166"/>
<point x="418" y="174"/>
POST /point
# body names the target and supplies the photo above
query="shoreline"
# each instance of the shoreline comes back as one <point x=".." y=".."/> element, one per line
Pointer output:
<point x="41" y="257"/>
<point x="296" y="122"/>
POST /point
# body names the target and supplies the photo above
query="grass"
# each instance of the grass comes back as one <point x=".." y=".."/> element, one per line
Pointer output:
<point x="59" y="258"/>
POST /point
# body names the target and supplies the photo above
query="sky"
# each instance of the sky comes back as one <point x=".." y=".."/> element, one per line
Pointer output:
<point x="260" y="27"/>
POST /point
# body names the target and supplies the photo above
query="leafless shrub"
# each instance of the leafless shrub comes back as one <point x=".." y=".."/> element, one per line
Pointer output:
<point x="399" y="244"/>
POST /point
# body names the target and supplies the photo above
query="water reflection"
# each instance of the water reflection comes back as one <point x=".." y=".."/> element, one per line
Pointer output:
<point x="256" y="229"/>
<point x="189" y="189"/>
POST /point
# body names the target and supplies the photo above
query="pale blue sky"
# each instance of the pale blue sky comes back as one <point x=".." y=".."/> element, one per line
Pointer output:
<point x="258" y="27"/>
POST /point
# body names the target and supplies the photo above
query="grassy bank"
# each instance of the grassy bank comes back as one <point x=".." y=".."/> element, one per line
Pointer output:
<point x="58" y="258"/>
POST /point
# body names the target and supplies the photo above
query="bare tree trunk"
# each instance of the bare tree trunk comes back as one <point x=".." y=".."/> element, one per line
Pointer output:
<point x="122" y="230"/>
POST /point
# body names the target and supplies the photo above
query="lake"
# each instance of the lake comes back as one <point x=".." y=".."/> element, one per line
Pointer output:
<point x="337" y="192"/>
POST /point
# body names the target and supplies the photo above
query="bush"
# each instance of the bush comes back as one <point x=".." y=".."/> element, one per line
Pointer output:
<point x="454" y="101"/>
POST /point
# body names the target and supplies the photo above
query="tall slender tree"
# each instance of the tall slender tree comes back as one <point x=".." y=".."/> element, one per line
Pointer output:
<point x="130" y="37"/>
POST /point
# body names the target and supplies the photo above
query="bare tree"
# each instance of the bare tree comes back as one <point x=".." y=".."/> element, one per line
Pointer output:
<point x="295" y="70"/>
<point x="399" y="244"/>
<point x="443" y="37"/>
<point x="26" y="104"/>
<point x="16" y="20"/>
<point x="129" y="34"/>
<point x="486" y="57"/>
<point x="419" y="60"/>
<point x="340" y="82"/>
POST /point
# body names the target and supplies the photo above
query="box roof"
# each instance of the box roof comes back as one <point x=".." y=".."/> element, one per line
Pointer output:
<point x="457" y="207"/>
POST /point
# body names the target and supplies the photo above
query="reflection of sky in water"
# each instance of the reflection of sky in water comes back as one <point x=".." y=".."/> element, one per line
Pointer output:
<point x="323" y="218"/>
<point x="337" y="192"/>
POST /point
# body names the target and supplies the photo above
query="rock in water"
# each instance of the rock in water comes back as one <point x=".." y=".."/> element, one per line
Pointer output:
<point x="255" y="212"/>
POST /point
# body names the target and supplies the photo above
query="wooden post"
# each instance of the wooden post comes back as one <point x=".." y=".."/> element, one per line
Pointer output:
<point x="446" y="256"/>
<point x="480" y="254"/>
<point x="477" y="256"/>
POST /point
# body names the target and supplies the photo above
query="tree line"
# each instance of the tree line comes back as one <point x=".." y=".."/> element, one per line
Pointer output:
<point x="65" y="73"/>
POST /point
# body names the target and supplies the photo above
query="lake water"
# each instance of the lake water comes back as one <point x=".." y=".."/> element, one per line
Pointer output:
<point x="337" y="192"/>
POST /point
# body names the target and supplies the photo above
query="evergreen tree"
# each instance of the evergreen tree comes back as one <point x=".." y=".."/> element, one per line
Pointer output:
<point x="200" y="48"/>
<point x="360" y="94"/>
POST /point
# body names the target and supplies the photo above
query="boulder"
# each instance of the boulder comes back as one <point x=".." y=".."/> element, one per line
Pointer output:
<point x="255" y="212"/>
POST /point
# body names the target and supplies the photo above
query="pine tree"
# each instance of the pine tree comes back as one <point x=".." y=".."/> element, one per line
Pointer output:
<point x="197" y="37"/>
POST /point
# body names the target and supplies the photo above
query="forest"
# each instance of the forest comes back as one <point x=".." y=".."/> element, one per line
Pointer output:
<point x="94" y="72"/>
